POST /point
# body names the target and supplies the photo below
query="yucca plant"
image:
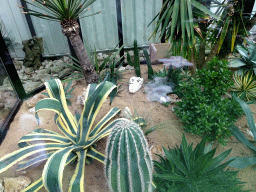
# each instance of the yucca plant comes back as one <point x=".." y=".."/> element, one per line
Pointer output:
<point x="128" y="164"/>
<point x="243" y="162"/>
<point x="245" y="85"/>
<point x="247" y="60"/>
<point x="77" y="141"/>
<point x="67" y="12"/>
<point x="194" y="170"/>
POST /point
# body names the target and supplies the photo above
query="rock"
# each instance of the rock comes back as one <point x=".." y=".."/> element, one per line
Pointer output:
<point x="42" y="67"/>
<point x="24" y="77"/>
<point x="81" y="98"/>
<point x="31" y="102"/>
<point x="39" y="77"/>
<point x="29" y="71"/>
<point x="32" y="110"/>
<point x="49" y="65"/>
<point x="43" y="71"/>
<point x="174" y="98"/>
<point x="129" y="67"/>
<point x="1" y="105"/>
<point x="66" y="71"/>
<point x="131" y="53"/>
<point x="46" y="79"/>
<point x="57" y="68"/>
<point x="9" y="103"/>
<point x="1" y="182"/>
<point x="30" y="85"/>
<point x="8" y="94"/>
<point x="16" y="184"/>
<point x="121" y="69"/>
<point x="18" y="64"/>
<point x="126" y="113"/>
<point x="7" y="81"/>
<point x="66" y="59"/>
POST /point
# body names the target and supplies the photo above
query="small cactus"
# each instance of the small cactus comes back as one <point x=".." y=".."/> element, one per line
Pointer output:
<point x="128" y="163"/>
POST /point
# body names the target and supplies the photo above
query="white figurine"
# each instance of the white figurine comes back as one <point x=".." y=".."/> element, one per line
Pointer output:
<point x="135" y="84"/>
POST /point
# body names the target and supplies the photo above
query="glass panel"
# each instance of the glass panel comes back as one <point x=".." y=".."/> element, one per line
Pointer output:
<point x="8" y="97"/>
<point x="39" y="58"/>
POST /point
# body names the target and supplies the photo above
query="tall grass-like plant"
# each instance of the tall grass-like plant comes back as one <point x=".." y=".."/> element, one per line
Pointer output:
<point x="77" y="141"/>
<point x="243" y="162"/>
<point x="245" y="85"/>
<point x="194" y="170"/>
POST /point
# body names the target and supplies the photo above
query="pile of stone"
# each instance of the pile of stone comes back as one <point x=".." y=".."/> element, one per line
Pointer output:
<point x="32" y="78"/>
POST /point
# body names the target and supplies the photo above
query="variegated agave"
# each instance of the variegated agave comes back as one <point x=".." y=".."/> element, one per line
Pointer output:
<point x="77" y="141"/>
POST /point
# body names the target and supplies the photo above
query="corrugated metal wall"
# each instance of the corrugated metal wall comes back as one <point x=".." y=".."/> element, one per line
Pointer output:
<point x="14" y="24"/>
<point x="100" y="30"/>
<point x="136" y="15"/>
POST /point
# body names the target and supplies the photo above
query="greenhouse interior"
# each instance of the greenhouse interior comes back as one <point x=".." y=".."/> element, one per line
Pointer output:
<point x="127" y="96"/>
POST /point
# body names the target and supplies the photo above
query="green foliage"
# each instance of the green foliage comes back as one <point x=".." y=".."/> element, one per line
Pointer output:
<point x="202" y="110"/>
<point x="243" y="162"/>
<point x="247" y="60"/>
<point x="128" y="164"/>
<point x="245" y="85"/>
<point x="178" y="22"/>
<point x="59" y="10"/>
<point x="150" y="69"/>
<point x="67" y="92"/>
<point x="195" y="170"/>
<point x="76" y="143"/>
<point x="175" y="76"/>
<point x="136" y="62"/>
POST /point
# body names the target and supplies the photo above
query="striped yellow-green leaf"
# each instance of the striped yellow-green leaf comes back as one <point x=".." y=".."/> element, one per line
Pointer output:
<point x="12" y="158"/>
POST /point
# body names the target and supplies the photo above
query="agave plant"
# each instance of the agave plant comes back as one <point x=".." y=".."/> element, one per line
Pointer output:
<point x="245" y="85"/>
<point x="195" y="170"/>
<point x="67" y="12"/>
<point x="77" y="141"/>
<point x="243" y="162"/>
<point x="247" y="60"/>
<point x="67" y="91"/>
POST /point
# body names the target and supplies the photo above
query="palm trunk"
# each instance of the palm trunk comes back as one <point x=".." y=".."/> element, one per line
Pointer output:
<point x="71" y="30"/>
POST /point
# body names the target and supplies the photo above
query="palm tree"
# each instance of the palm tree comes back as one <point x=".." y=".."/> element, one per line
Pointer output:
<point x="67" y="12"/>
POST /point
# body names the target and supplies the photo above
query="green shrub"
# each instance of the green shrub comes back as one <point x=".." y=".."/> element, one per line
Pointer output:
<point x="194" y="170"/>
<point x="202" y="110"/>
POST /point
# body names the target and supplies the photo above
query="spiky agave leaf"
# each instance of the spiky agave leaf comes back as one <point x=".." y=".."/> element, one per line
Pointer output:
<point x="77" y="141"/>
<point x="245" y="85"/>
<point x="188" y="169"/>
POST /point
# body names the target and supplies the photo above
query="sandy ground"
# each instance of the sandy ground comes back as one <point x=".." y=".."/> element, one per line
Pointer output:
<point x="168" y="135"/>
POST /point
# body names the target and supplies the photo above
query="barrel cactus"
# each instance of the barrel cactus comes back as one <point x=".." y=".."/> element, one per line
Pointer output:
<point x="128" y="163"/>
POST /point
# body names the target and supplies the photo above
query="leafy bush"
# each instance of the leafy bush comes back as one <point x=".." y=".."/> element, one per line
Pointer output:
<point x="194" y="170"/>
<point x="245" y="85"/>
<point x="77" y="141"/>
<point x="202" y="110"/>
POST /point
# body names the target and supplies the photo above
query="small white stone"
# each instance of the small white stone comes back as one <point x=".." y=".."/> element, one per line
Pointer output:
<point x="135" y="84"/>
<point x="121" y="69"/>
<point x="129" y="67"/>
<point x="13" y="184"/>
<point x="32" y="110"/>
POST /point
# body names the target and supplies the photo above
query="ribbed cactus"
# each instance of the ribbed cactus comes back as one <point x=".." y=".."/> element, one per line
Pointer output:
<point x="128" y="164"/>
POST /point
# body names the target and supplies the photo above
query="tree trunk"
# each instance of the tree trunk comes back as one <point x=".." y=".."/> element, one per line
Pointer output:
<point x="87" y="68"/>
<point x="71" y="30"/>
